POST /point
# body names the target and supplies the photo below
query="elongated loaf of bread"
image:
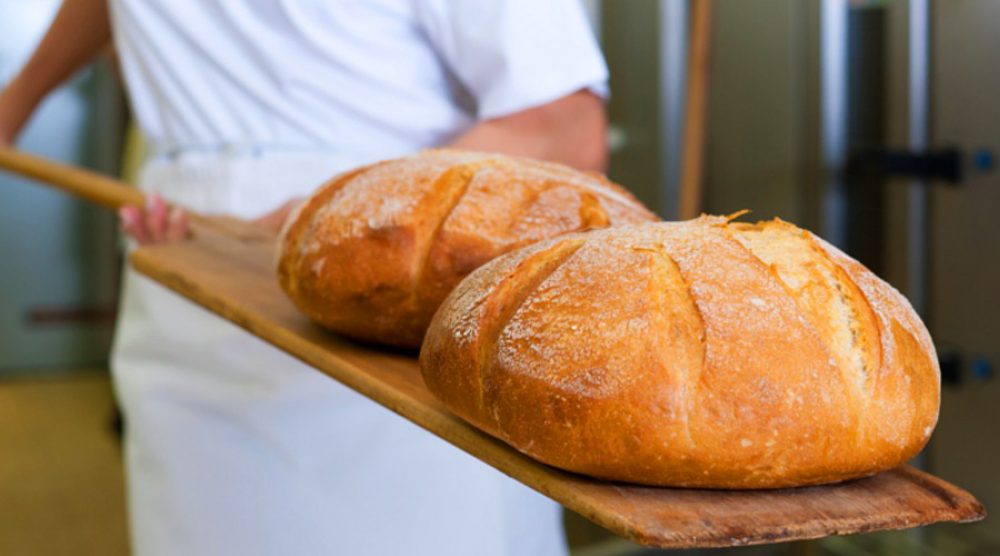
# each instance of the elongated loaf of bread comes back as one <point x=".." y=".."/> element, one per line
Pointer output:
<point x="698" y="354"/>
<point x="374" y="252"/>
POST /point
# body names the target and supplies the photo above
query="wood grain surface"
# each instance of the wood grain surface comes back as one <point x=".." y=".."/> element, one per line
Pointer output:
<point x="233" y="276"/>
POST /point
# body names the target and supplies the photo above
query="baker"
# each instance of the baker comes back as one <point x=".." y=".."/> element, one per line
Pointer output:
<point x="233" y="447"/>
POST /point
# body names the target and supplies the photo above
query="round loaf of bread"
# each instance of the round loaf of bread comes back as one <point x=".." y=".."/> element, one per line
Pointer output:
<point x="374" y="252"/>
<point x="697" y="354"/>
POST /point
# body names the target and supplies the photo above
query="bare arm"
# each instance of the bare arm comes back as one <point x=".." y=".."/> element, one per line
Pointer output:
<point x="79" y="32"/>
<point x="568" y="130"/>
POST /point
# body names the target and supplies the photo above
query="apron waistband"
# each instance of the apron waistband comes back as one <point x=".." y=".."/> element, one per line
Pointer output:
<point x="232" y="150"/>
<point x="240" y="182"/>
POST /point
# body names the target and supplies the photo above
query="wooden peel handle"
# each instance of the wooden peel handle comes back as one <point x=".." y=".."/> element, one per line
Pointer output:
<point x="85" y="184"/>
<point x="111" y="193"/>
<point x="696" y="110"/>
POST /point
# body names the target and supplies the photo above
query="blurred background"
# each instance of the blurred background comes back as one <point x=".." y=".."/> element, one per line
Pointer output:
<point x="874" y="123"/>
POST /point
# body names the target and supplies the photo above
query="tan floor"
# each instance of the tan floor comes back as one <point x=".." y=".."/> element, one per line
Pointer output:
<point x="61" y="484"/>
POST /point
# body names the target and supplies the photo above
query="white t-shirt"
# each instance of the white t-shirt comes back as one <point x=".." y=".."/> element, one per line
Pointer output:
<point x="365" y="77"/>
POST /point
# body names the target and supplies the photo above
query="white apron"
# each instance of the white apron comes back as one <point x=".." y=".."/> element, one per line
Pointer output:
<point x="235" y="448"/>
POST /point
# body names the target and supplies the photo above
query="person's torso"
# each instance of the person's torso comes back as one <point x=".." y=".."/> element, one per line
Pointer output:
<point x="353" y="76"/>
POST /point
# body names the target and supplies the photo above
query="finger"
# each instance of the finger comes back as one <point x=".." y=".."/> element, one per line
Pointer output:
<point x="156" y="218"/>
<point x="131" y="222"/>
<point x="177" y="225"/>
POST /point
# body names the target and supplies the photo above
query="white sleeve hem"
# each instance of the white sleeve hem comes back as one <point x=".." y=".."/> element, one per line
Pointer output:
<point x="538" y="96"/>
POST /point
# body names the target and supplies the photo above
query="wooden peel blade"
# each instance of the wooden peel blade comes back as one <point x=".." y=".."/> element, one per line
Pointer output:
<point x="221" y="270"/>
<point x="236" y="280"/>
<point x="111" y="193"/>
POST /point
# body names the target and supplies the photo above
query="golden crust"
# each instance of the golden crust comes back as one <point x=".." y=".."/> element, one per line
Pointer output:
<point x="697" y="354"/>
<point x="374" y="252"/>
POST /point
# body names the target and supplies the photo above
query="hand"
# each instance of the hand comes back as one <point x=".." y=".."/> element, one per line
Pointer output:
<point x="273" y="221"/>
<point x="156" y="223"/>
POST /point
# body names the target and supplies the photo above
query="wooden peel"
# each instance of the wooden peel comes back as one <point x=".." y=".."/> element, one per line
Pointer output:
<point x="234" y="278"/>
<point x="236" y="281"/>
<point x="111" y="193"/>
<point x="695" y="110"/>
